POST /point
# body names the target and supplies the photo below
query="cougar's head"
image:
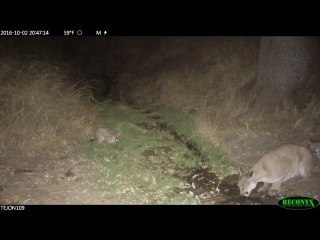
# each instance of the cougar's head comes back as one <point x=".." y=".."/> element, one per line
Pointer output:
<point x="314" y="146"/>
<point x="117" y="136"/>
<point x="246" y="182"/>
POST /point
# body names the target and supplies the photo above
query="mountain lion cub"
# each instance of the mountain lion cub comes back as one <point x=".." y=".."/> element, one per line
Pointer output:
<point x="284" y="162"/>
<point x="105" y="134"/>
<point x="315" y="147"/>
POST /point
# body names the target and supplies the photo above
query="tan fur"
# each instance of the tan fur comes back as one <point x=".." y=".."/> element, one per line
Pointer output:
<point x="315" y="147"/>
<point x="284" y="162"/>
<point x="107" y="135"/>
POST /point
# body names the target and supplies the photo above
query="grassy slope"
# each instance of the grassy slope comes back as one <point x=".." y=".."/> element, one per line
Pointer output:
<point x="123" y="172"/>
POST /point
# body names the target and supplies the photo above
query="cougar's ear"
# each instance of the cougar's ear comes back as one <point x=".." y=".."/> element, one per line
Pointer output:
<point x="251" y="174"/>
<point x="119" y="133"/>
<point x="240" y="170"/>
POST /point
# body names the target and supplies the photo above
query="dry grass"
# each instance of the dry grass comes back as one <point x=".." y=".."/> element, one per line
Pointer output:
<point x="238" y="122"/>
<point x="202" y="74"/>
<point x="206" y="74"/>
<point x="41" y="112"/>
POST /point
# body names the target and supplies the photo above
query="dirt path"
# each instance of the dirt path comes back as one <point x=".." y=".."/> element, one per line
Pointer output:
<point x="65" y="182"/>
<point x="58" y="182"/>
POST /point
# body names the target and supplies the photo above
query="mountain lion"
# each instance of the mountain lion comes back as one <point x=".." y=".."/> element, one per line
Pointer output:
<point x="105" y="134"/>
<point x="284" y="162"/>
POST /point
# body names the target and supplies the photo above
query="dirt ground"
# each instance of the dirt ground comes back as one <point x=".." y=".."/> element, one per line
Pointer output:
<point x="65" y="181"/>
<point x="57" y="182"/>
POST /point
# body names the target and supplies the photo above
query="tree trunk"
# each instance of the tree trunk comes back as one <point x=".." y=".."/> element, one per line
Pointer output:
<point x="287" y="66"/>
